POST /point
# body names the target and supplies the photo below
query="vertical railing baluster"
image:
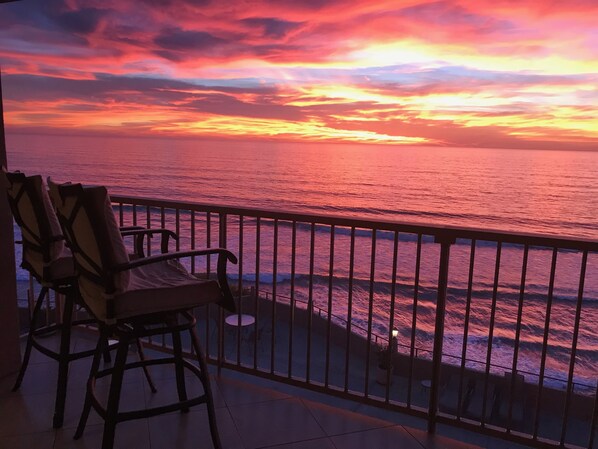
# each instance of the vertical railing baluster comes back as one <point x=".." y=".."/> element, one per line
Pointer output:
<point x="257" y="282"/>
<point x="392" y="344"/>
<point x="513" y="377"/>
<point x="445" y="251"/>
<point x="274" y="285"/>
<point x="220" y="344"/>
<point x="134" y="214"/>
<point x="208" y="243"/>
<point x="466" y="327"/>
<point x="162" y="225"/>
<point x="368" y="353"/>
<point x="349" y="307"/>
<point x="292" y="305"/>
<point x="580" y="292"/>
<point x="192" y="239"/>
<point x="222" y="243"/>
<point x="222" y="230"/>
<point x="329" y="318"/>
<point x="178" y="228"/>
<point x="219" y="329"/>
<point x="491" y="332"/>
<point x="545" y="342"/>
<point x="121" y="218"/>
<point x="240" y="289"/>
<point x="412" y="353"/>
<point x="310" y="304"/>
<point x="594" y="421"/>
<point x="208" y="328"/>
<point x="148" y="225"/>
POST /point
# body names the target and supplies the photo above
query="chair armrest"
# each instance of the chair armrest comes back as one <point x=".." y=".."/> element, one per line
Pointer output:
<point x="130" y="228"/>
<point x="177" y="255"/>
<point x="140" y="233"/>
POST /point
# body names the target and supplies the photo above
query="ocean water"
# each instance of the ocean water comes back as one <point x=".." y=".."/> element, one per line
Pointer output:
<point x="545" y="192"/>
<point x="550" y="192"/>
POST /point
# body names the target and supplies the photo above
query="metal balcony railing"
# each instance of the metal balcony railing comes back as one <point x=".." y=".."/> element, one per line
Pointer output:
<point x="490" y="331"/>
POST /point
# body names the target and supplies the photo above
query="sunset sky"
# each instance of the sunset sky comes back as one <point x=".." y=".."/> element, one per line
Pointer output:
<point x="484" y="73"/>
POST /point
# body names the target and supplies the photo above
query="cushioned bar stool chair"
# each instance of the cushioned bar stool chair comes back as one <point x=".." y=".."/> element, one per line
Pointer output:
<point x="47" y="259"/>
<point x="51" y="264"/>
<point x="136" y="298"/>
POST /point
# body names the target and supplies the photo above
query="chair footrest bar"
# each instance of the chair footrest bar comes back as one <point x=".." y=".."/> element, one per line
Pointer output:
<point x="149" y="362"/>
<point x="55" y="327"/>
<point x="54" y="354"/>
<point x="154" y="411"/>
<point x="148" y="412"/>
<point x="44" y="331"/>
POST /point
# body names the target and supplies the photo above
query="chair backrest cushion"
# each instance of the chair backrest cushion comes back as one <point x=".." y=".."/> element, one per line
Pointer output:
<point x="94" y="236"/>
<point x="32" y="209"/>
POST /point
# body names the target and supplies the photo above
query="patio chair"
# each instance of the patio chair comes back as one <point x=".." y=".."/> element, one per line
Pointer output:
<point x="50" y="263"/>
<point x="47" y="259"/>
<point x="135" y="299"/>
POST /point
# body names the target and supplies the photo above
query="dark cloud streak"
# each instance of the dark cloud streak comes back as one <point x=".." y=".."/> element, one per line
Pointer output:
<point x="82" y="21"/>
<point x="230" y="106"/>
<point x="272" y="27"/>
<point x="182" y="40"/>
<point x="34" y="87"/>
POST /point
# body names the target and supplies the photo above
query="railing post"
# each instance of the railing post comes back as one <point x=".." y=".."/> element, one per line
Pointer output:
<point x="445" y="249"/>
<point x="221" y="244"/>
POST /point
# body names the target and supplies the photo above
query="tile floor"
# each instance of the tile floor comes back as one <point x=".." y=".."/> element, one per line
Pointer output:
<point x="252" y="413"/>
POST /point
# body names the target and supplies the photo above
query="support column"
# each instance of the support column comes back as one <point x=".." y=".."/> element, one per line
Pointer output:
<point x="10" y="353"/>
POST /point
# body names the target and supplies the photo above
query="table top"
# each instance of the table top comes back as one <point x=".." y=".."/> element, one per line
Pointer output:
<point x="245" y="320"/>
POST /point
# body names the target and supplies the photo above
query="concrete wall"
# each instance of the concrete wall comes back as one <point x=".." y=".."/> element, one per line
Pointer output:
<point x="526" y="392"/>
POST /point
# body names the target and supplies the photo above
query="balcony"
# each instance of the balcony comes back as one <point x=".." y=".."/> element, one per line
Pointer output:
<point x="487" y="337"/>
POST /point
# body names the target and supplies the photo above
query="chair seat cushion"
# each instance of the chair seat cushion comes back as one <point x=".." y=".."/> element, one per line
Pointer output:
<point x="159" y="287"/>
<point x="59" y="269"/>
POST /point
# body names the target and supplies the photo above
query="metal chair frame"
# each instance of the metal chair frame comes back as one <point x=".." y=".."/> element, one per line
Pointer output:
<point x="140" y="326"/>
<point x="64" y="286"/>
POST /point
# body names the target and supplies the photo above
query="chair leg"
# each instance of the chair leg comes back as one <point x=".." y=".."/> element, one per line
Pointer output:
<point x="114" y="396"/>
<point x="63" y="360"/>
<point x="205" y="380"/>
<point x="148" y="376"/>
<point x="30" y="336"/>
<point x="179" y="368"/>
<point x="95" y="366"/>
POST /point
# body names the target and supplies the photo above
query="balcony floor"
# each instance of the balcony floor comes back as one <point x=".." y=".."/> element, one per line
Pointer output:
<point x="252" y="413"/>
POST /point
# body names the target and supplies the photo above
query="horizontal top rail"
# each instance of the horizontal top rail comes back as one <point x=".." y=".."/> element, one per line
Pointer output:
<point x="441" y="232"/>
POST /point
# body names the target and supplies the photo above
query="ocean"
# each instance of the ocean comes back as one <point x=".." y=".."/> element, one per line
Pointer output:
<point x="544" y="192"/>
